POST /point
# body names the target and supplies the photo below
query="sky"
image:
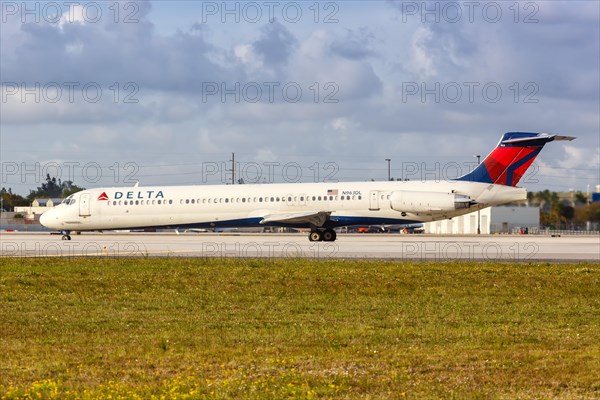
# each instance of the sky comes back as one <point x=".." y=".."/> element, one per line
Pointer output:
<point x="112" y="93"/>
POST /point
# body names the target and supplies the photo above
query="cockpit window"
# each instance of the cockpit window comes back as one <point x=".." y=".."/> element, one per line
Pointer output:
<point x="68" y="201"/>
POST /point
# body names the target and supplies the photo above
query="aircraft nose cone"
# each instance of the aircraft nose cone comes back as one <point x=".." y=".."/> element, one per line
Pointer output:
<point x="45" y="219"/>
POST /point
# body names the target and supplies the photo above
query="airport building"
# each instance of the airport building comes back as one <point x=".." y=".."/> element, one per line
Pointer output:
<point x="38" y="206"/>
<point x="491" y="220"/>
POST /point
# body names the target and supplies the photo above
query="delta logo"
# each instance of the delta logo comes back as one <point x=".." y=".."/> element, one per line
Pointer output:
<point x="149" y="194"/>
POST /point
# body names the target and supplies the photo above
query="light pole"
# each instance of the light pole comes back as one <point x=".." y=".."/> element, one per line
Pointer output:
<point x="389" y="171"/>
<point x="478" y="156"/>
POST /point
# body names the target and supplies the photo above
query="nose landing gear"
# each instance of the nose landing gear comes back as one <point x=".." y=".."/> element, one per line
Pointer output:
<point x="66" y="235"/>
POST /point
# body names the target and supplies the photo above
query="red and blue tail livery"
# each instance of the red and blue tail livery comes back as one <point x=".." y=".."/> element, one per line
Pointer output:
<point x="508" y="162"/>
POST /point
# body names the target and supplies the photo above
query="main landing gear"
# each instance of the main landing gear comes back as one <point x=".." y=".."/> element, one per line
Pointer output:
<point x="322" y="235"/>
<point x="65" y="235"/>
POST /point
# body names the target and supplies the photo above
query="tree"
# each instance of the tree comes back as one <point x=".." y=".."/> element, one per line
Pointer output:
<point x="10" y="200"/>
<point x="562" y="213"/>
<point x="530" y="197"/>
<point x="54" y="188"/>
<point x="69" y="188"/>
<point x="580" y="198"/>
<point x="589" y="212"/>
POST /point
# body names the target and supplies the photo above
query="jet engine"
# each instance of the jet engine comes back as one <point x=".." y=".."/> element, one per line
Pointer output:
<point x="429" y="202"/>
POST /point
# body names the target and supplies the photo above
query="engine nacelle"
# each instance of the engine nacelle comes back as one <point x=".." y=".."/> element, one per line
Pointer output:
<point x="428" y="202"/>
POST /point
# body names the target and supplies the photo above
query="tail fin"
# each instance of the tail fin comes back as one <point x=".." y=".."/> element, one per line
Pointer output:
<point x="507" y="163"/>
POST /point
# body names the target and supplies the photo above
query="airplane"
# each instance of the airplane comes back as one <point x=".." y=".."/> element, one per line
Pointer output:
<point x="321" y="207"/>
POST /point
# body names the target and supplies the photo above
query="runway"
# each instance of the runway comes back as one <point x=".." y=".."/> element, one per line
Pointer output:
<point x="518" y="248"/>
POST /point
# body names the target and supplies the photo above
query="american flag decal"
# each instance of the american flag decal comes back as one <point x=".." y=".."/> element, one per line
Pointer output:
<point x="332" y="192"/>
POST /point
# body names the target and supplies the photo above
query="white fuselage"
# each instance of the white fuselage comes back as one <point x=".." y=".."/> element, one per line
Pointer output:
<point x="345" y="203"/>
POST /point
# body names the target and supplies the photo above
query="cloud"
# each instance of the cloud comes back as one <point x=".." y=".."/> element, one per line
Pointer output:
<point x="275" y="45"/>
<point x="356" y="44"/>
<point x="108" y="52"/>
<point x="361" y="62"/>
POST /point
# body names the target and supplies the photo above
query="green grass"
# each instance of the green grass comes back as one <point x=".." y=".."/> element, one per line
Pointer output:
<point x="197" y="328"/>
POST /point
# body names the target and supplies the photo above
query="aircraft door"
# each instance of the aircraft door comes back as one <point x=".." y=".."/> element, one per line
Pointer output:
<point x="374" y="200"/>
<point x="84" y="205"/>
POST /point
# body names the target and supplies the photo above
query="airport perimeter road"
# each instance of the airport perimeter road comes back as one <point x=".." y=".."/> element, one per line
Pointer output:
<point x="526" y="248"/>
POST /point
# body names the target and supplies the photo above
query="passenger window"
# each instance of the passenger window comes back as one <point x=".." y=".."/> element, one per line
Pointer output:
<point x="314" y="198"/>
<point x="243" y="199"/>
<point x="359" y="197"/>
<point x="226" y="200"/>
<point x="170" y="201"/>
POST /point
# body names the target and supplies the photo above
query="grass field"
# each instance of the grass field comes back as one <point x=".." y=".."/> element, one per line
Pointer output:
<point x="197" y="328"/>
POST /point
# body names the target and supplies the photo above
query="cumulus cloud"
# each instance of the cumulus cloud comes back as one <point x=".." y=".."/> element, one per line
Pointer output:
<point x="363" y="63"/>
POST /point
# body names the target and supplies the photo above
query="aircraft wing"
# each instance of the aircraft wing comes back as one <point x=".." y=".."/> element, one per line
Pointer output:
<point x="316" y="218"/>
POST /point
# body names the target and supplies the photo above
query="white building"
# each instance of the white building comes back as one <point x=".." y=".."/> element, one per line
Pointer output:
<point x="492" y="220"/>
<point x="38" y="206"/>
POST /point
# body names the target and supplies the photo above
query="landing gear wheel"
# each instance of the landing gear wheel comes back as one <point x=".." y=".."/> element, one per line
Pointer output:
<point x="66" y="237"/>
<point x="315" y="236"/>
<point x="329" y="235"/>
